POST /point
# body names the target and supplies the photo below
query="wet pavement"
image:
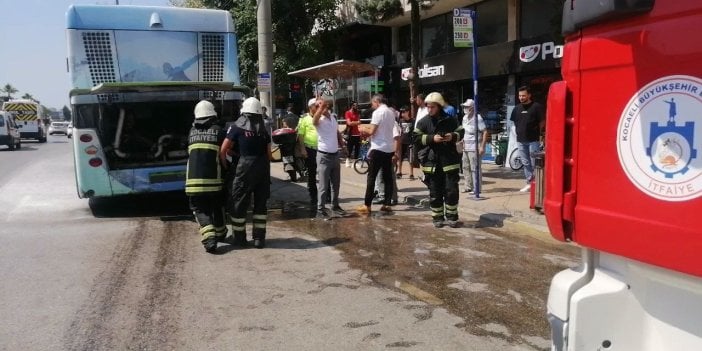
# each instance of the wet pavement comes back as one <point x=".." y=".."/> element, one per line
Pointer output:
<point x="494" y="278"/>
<point x="130" y="273"/>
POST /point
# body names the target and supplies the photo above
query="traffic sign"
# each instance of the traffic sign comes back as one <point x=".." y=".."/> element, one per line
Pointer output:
<point x="462" y="28"/>
<point x="264" y="81"/>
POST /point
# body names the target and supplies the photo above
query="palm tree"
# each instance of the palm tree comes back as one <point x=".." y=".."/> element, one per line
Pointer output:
<point x="28" y="96"/>
<point x="9" y="90"/>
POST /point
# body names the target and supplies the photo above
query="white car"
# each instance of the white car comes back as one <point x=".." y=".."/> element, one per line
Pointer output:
<point x="69" y="132"/>
<point x="58" y="127"/>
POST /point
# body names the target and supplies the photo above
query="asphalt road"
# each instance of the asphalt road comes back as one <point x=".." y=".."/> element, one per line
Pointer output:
<point x="130" y="274"/>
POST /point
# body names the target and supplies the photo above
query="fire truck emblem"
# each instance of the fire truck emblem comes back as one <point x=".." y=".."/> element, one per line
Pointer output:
<point x="658" y="138"/>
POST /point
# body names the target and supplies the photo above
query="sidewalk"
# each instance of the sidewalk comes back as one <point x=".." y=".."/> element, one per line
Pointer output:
<point x="503" y="204"/>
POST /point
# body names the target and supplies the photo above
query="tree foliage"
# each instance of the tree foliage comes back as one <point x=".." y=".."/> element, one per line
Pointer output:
<point x="383" y="10"/>
<point x="66" y="113"/>
<point x="379" y="10"/>
<point x="9" y="90"/>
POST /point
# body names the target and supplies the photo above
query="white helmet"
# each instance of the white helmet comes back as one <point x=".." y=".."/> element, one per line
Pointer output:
<point x="435" y="98"/>
<point x="204" y="109"/>
<point x="252" y="105"/>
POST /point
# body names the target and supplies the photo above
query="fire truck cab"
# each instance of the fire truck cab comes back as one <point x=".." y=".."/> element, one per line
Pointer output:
<point x="624" y="176"/>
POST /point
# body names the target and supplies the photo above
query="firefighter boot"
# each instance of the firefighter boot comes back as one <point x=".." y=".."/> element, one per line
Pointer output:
<point x="240" y="239"/>
<point x="210" y="244"/>
<point x="260" y="242"/>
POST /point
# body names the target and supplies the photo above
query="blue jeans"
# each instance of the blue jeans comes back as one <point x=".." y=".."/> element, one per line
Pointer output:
<point x="525" y="154"/>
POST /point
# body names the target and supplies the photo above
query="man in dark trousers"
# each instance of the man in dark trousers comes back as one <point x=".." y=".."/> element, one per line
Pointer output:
<point x="307" y="139"/>
<point x="248" y="135"/>
<point x="203" y="182"/>
<point x="529" y="122"/>
<point x="436" y="138"/>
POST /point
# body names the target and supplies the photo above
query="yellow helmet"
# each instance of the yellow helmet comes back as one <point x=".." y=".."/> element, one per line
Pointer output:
<point x="435" y="98"/>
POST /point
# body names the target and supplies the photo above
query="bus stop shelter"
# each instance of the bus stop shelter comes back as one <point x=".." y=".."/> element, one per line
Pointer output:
<point x="342" y="80"/>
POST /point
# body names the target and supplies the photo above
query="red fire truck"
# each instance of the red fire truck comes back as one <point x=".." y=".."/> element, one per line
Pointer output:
<point x="624" y="176"/>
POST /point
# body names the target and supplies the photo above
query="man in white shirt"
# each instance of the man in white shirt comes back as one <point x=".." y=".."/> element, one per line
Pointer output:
<point x="329" y="141"/>
<point x="471" y="158"/>
<point x="421" y="108"/>
<point x="382" y="153"/>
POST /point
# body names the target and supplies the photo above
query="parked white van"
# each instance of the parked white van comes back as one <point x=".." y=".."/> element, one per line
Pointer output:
<point x="9" y="131"/>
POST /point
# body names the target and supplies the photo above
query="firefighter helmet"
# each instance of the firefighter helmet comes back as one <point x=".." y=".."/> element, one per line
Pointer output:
<point x="435" y="98"/>
<point x="204" y="109"/>
<point x="252" y="105"/>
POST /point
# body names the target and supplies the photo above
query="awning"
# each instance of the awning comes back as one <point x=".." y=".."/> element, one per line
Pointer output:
<point x="335" y="69"/>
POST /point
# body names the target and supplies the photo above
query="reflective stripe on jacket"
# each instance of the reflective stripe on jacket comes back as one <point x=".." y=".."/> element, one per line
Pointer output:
<point x="204" y="174"/>
<point x="444" y="154"/>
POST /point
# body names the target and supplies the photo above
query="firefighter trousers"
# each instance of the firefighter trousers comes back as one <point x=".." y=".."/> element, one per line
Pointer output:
<point x="252" y="181"/>
<point x="443" y="194"/>
<point x="208" y="209"/>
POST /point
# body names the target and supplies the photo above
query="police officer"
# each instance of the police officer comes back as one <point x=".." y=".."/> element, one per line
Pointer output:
<point x="248" y="135"/>
<point x="204" y="182"/>
<point x="436" y="139"/>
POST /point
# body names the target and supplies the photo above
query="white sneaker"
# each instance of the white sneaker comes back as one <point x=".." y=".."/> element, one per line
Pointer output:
<point x="525" y="188"/>
<point x="348" y="164"/>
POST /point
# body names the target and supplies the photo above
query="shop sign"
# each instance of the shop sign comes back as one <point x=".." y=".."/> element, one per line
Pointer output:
<point x="545" y="50"/>
<point x="424" y="72"/>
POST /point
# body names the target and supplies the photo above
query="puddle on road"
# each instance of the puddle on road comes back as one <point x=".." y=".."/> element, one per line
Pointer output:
<point x="487" y="276"/>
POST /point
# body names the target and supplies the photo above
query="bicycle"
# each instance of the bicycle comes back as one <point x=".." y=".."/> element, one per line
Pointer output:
<point x="515" y="159"/>
<point x="361" y="164"/>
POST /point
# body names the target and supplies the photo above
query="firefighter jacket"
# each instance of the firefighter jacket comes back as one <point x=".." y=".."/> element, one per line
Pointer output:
<point x="432" y="155"/>
<point x="204" y="174"/>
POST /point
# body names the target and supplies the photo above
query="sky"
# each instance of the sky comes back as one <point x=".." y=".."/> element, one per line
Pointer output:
<point x="33" y="46"/>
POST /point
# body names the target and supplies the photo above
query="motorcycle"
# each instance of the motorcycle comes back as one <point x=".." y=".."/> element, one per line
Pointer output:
<point x="286" y="138"/>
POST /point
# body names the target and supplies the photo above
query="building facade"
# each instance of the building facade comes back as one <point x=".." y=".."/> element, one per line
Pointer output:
<point x="519" y="43"/>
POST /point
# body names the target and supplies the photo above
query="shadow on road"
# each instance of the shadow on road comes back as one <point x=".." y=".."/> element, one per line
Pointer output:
<point x="494" y="220"/>
<point x="23" y="148"/>
<point x="168" y="206"/>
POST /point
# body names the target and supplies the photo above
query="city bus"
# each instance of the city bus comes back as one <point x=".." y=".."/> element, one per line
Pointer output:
<point x="30" y="117"/>
<point x="136" y="74"/>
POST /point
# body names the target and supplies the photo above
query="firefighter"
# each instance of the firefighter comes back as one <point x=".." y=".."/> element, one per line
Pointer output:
<point x="436" y="139"/>
<point x="204" y="182"/>
<point x="249" y="136"/>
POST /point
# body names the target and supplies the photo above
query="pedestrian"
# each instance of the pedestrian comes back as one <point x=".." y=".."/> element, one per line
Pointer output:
<point x="379" y="180"/>
<point x="252" y="175"/>
<point x="203" y="183"/>
<point x="421" y="108"/>
<point x="449" y="109"/>
<point x="307" y="141"/>
<point x="329" y="141"/>
<point x="291" y="119"/>
<point x="529" y="121"/>
<point x="471" y="158"/>
<point x="436" y="138"/>
<point x="267" y="121"/>
<point x="353" y="120"/>
<point x="382" y="153"/>
<point x="407" y="127"/>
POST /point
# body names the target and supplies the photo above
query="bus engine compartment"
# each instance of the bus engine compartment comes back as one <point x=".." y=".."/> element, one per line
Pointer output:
<point x="145" y="134"/>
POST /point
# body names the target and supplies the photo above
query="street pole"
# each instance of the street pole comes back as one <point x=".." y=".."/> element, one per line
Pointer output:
<point x="473" y="17"/>
<point x="265" y="51"/>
